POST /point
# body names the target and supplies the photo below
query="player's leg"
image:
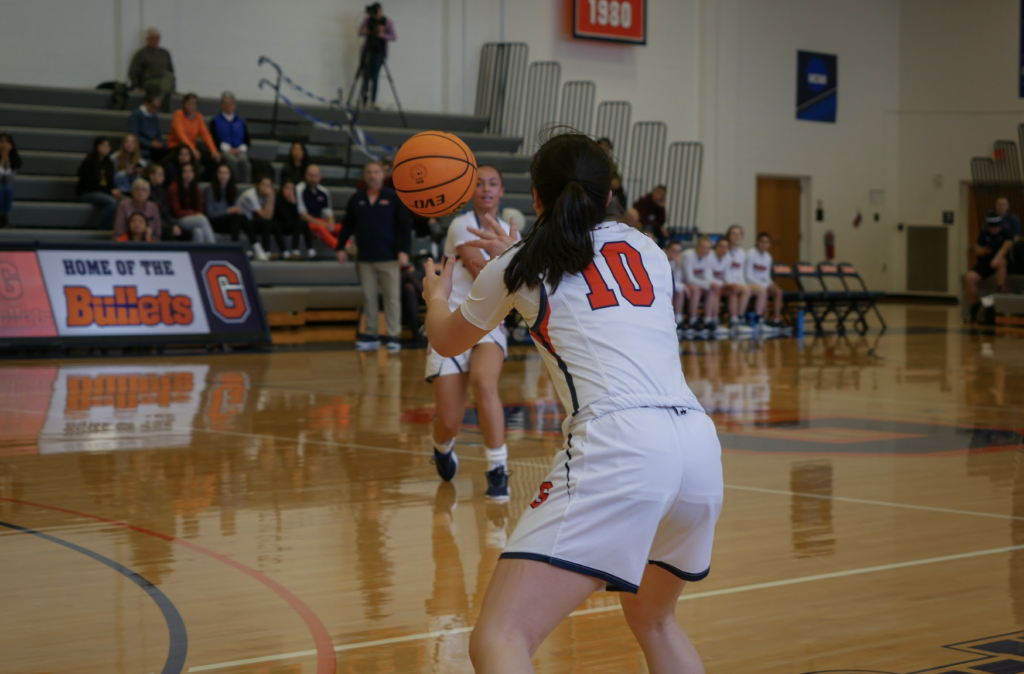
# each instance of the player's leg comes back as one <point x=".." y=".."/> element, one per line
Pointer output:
<point x="971" y="286"/>
<point x="776" y="294"/>
<point x="525" y="601"/>
<point x="1001" y="275"/>
<point x="485" y="363"/>
<point x="651" y="616"/>
<point x="678" y="302"/>
<point x="760" y="294"/>
<point x="693" y="299"/>
<point x="450" y="406"/>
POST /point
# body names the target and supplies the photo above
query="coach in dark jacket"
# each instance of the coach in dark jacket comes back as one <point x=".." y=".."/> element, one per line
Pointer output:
<point x="382" y="226"/>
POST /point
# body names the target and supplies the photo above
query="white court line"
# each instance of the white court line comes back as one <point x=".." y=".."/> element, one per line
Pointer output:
<point x="609" y="609"/>
<point x="909" y="506"/>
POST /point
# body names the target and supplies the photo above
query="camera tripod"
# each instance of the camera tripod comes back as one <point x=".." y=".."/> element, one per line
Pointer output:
<point x="361" y="75"/>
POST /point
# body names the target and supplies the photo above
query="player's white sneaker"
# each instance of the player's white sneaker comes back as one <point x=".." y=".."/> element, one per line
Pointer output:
<point x="743" y="329"/>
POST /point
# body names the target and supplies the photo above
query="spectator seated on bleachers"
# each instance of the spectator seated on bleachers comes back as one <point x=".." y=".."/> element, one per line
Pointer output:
<point x="1012" y="223"/>
<point x="138" y="230"/>
<point x="96" y="181"/>
<point x="286" y="214"/>
<point x="188" y="129"/>
<point x="231" y="136"/>
<point x="144" y="123"/>
<point x="156" y="177"/>
<point x="174" y="160"/>
<point x="186" y="202"/>
<point x="314" y="204"/>
<point x="257" y="205"/>
<point x="220" y="201"/>
<point x="295" y="166"/>
<point x="10" y="164"/>
<point x="651" y="209"/>
<point x="138" y="204"/>
<point x="151" y="69"/>
<point x="128" y="164"/>
<point x="993" y="249"/>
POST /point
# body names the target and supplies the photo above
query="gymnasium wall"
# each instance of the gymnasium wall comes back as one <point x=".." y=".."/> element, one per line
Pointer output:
<point x="959" y="93"/>
<point x="749" y="123"/>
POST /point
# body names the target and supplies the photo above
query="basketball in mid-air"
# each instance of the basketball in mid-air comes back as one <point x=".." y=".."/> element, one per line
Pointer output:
<point x="434" y="174"/>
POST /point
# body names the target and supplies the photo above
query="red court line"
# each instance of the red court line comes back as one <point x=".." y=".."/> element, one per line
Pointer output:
<point x="325" y="660"/>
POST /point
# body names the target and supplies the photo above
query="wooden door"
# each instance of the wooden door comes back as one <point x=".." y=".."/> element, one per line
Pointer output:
<point x="778" y="213"/>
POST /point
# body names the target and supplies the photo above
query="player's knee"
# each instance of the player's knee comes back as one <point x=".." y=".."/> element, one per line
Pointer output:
<point x="449" y="421"/>
<point x="645" y="617"/>
<point x="490" y="641"/>
<point x="484" y="387"/>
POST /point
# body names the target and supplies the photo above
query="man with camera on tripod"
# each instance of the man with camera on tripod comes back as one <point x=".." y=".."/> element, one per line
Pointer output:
<point x="376" y="30"/>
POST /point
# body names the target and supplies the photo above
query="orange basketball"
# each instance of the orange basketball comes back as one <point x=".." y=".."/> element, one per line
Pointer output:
<point x="434" y="174"/>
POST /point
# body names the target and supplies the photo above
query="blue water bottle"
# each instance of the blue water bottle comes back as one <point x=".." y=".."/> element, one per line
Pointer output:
<point x="800" y="324"/>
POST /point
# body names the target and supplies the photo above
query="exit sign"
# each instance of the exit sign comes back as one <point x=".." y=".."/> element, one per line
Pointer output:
<point x="611" y="20"/>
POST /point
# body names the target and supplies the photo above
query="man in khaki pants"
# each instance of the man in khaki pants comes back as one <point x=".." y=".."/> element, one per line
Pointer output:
<point x="382" y="226"/>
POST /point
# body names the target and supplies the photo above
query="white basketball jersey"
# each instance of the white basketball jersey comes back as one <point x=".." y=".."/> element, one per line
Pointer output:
<point x="734" y="274"/>
<point x="759" y="267"/>
<point x="608" y="335"/>
<point x="719" y="266"/>
<point x="458" y="235"/>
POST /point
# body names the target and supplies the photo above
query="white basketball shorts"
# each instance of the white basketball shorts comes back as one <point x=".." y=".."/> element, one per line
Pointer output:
<point x="438" y="366"/>
<point x="635" y="487"/>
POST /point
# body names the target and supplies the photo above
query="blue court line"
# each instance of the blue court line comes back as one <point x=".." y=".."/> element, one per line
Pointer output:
<point x="178" y="648"/>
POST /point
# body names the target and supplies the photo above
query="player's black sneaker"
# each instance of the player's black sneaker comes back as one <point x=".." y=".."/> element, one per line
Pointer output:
<point x="497" y="485"/>
<point x="447" y="464"/>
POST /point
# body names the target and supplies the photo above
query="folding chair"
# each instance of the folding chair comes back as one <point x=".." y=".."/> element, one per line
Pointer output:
<point x="864" y="300"/>
<point x="816" y="298"/>
<point x="840" y="302"/>
<point x="800" y="298"/>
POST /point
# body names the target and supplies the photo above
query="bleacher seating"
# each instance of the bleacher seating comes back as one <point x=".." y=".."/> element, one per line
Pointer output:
<point x="54" y="128"/>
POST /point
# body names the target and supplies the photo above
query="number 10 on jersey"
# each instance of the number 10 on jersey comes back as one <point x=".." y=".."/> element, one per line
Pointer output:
<point x="614" y="20"/>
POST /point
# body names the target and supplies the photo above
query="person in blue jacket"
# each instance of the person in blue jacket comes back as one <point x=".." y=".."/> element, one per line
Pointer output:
<point x="231" y="134"/>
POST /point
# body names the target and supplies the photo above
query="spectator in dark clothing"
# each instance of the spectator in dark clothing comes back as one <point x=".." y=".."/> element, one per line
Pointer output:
<point x="128" y="163"/>
<point x="145" y="124"/>
<point x="286" y="213"/>
<point x="617" y="191"/>
<point x="295" y="166"/>
<point x="376" y="31"/>
<point x="96" y="181"/>
<point x="257" y="204"/>
<point x="10" y="164"/>
<point x="381" y="225"/>
<point x="994" y="244"/>
<point x="175" y="159"/>
<point x="315" y="208"/>
<point x="651" y="209"/>
<point x="187" y="206"/>
<point x="151" y="69"/>
<point x="220" y="201"/>
<point x="156" y="177"/>
<point x="389" y="180"/>
<point x="1012" y="223"/>
<point x="231" y="136"/>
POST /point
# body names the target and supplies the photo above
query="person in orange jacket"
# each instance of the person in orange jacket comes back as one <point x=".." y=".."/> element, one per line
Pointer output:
<point x="189" y="128"/>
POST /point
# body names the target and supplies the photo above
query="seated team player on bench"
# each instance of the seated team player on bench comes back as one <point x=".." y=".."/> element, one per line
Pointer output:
<point x="994" y="244"/>
<point x="700" y="285"/>
<point x="675" y="262"/>
<point x="759" y="278"/>
<point x="736" y="293"/>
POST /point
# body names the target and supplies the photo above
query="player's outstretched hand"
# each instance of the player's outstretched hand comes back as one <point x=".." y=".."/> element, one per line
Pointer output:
<point x="438" y="285"/>
<point x="493" y="238"/>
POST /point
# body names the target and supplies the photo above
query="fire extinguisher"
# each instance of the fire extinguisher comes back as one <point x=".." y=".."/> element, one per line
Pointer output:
<point x="830" y="245"/>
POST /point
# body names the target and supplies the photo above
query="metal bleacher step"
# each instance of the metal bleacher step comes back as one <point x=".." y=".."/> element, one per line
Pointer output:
<point x="53" y="215"/>
<point x="26" y="236"/>
<point x="50" y="163"/>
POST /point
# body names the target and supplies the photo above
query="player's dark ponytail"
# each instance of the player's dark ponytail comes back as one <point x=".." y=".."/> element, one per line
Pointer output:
<point x="572" y="176"/>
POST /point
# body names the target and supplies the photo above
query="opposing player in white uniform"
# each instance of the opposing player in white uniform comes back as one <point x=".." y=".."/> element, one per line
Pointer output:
<point x="675" y="262"/>
<point x="633" y="497"/>
<point x="719" y="266"/>
<point x="480" y="365"/>
<point x="736" y="281"/>
<point x="759" y="276"/>
<point x="700" y="286"/>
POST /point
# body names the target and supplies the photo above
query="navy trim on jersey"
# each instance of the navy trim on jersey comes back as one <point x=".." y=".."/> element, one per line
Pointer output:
<point x="457" y="366"/>
<point x="683" y="575"/>
<point x="535" y="329"/>
<point x="568" y="455"/>
<point x="615" y="581"/>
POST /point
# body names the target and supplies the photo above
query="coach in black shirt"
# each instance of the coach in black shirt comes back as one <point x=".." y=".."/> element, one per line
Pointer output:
<point x="382" y="226"/>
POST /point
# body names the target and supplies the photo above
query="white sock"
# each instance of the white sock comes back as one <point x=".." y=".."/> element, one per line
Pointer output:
<point x="497" y="457"/>
<point x="443" y="448"/>
<point x="679" y="319"/>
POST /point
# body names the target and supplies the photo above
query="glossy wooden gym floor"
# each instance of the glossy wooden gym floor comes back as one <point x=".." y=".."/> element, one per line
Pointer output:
<point x="277" y="512"/>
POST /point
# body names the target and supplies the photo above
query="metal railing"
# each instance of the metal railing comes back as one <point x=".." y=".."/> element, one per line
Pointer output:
<point x="684" y="166"/>
<point x="499" y="85"/>
<point x="613" y="118"/>
<point x="540" y="102"/>
<point x="578" y="105"/>
<point x="646" y="158"/>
